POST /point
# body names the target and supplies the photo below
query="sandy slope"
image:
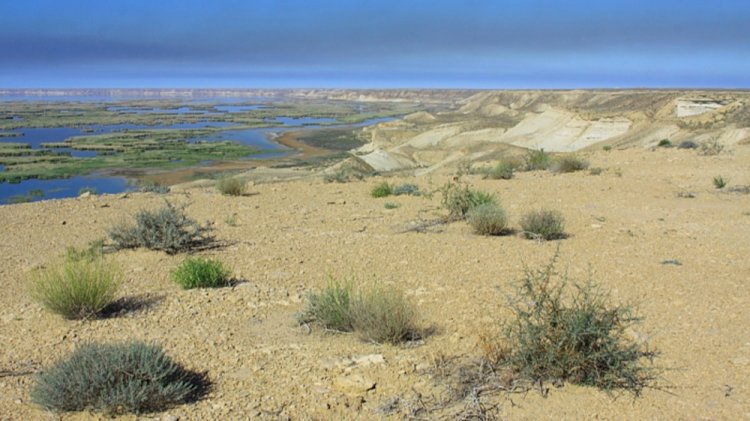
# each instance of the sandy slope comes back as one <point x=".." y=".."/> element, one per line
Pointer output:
<point x="290" y="235"/>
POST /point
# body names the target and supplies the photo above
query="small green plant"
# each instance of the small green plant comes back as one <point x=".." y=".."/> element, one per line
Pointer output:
<point x="94" y="250"/>
<point x="561" y="334"/>
<point x="459" y="199"/>
<point x="383" y="189"/>
<point x="391" y="205"/>
<point x="711" y="147"/>
<point x="377" y="313"/>
<point x="664" y="143"/>
<point x="406" y="189"/>
<point x="503" y="170"/>
<point x="231" y="220"/>
<point x="115" y="379"/>
<point x="78" y="288"/>
<point x="720" y="182"/>
<point x="607" y="148"/>
<point x="567" y="164"/>
<point x="538" y="160"/>
<point x="543" y="224"/>
<point x="231" y="186"/>
<point x="197" y="272"/>
<point x="167" y="229"/>
<point x="596" y="171"/>
<point x="488" y="219"/>
<point x="87" y="190"/>
<point x="687" y="144"/>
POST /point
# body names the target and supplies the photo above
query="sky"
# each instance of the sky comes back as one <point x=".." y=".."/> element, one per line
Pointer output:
<point x="374" y="44"/>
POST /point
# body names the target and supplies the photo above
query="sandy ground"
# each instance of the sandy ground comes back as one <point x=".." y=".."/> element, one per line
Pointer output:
<point x="289" y="236"/>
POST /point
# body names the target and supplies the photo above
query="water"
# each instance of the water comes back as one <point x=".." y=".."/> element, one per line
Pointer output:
<point x="139" y="110"/>
<point x="2" y="168"/>
<point x="61" y="188"/>
<point x="301" y="121"/>
<point x="236" y="108"/>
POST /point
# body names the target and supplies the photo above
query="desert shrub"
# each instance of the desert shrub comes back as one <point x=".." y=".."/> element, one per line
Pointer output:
<point x="89" y="190"/>
<point x="382" y="314"/>
<point x="720" y="182"/>
<point x="377" y="313"/>
<point x="94" y="250"/>
<point x="459" y="199"/>
<point x="197" y="272"/>
<point x="664" y="143"/>
<point x="488" y="219"/>
<point x="568" y="164"/>
<point x="330" y="306"/>
<point x="391" y="205"/>
<point x="537" y="160"/>
<point x="503" y="170"/>
<point x="596" y="170"/>
<point x="116" y="378"/>
<point x="167" y="229"/>
<point x="543" y="224"/>
<point x="607" y="148"/>
<point x="711" y="147"/>
<point x="406" y="189"/>
<point x="561" y="334"/>
<point x="382" y="190"/>
<point x="152" y="187"/>
<point x="80" y="287"/>
<point x="687" y="144"/>
<point x="231" y="186"/>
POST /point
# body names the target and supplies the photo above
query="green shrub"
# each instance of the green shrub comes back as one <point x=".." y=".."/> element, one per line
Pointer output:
<point x="503" y="170"/>
<point x="488" y="219"/>
<point x="167" y="229"/>
<point x="607" y="148"/>
<point x="391" y="205"/>
<point x="78" y="288"/>
<point x="567" y="164"/>
<point x="687" y="144"/>
<point x="382" y="190"/>
<point x="538" y="160"/>
<point x="720" y="182"/>
<point x="556" y="334"/>
<point x="406" y="189"/>
<point x="459" y="199"/>
<point x="231" y="186"/>
<point x="543" y="224"/>
<point x="382" y="314"/>
<point x="197" y="272"/>
<point x="664" y="143"/>
<point x="377" y="313"/>
<point x="94" y="250"/>
<point x="115" y="379"/>
<point x="89" y="190"/>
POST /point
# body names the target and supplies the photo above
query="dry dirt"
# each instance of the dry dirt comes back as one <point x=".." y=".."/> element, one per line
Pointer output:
<point x="290" y="235"/>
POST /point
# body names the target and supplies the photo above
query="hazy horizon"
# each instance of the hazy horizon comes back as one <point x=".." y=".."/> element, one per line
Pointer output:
<point x="288" y="44"/>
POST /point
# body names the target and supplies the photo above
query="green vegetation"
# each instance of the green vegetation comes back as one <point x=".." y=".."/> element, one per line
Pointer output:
<point x="664" y="143"/>
<point x="391" y="205"/>
<point x="377" y="313"/>
<point x="80" y="287"/>
<point x="232" y="186"/>
<point x="89" y="190"/>
<point x="561" y="334"/>
<point x="720" y="182"/>
<point x="596" y="171"/>
<point x="383" y="189"/>
<point x="167" y="229"/>
<point x="543" y="225"/>
<point x="116" y="378"/>
<point x="567" y="164"/>
<point x="148" y="186"/>
<point x="687" y="144"/>
<point x="25" y="198"/>
<point x="537" y="160"/>
<point x="503" y="170"/>
<point x="459" y="199"/>
<point x="607" y="148"/>
<point x="197" y="272"/>
<point x="488" y="219"/>
<point x="711" y="147"/>
<point x="406" y="189"/>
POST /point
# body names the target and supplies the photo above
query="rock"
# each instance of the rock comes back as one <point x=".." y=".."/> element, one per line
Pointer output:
<point x="354" y="384"/>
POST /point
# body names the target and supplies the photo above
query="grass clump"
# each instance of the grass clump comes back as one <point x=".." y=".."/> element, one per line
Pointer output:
<point x="167" y="229"/>
<point x="459" y="199"/>
<point x="116" y="378"/>
<point x="78" y="288"/>
<point x="231" y="186"/>
<point x="537" y="160"/>
<point x="503" y="170"/>
<point x="407" y="189"/>
<point x="543" y="224"/>
<point x="574" y="334"/>
<point x="488" y="219"/>
<point x="377" y="313"/>
<point x="569" y="164"/>
<point x="391" y="205"/>
<point x="607" y="148"/>
<point x="664" y="143"/>
<point x="720" y="182"/>
<point x="687" y="144"/>
<point x="383" y="189"/>
<point x="711" y="147"/>
<point x="147" y="186"/>
<point x="197" y="272"/>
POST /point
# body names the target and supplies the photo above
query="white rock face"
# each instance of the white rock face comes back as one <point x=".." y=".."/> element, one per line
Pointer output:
<point x="692" y="107"/>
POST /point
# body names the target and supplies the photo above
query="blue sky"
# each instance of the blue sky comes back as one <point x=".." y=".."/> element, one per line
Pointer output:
<point x="374" y="44"/>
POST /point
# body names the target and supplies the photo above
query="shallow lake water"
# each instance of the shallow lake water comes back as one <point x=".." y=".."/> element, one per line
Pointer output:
<point x="61" y="188"/>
